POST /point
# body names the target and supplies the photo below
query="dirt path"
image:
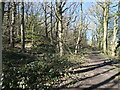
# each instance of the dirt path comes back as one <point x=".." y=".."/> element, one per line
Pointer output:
<point x="98" y="72"/>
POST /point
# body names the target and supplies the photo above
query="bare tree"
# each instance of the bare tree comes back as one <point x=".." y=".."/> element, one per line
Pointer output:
<point x="46" y="18"/>
<point x="51" y="21"/>
<point x="1" y="17"/>
<point x="8" y="19"/>
<point x="60" y="26"/>
<point x="12" y="27"/>
<point x="114" y="36"/>
<point x="118" y="32"/>
<point x="22" y="27"/>
<point x="79" y="33"/>
<point x="97" y="17"/>
<point x="105" y="26"/>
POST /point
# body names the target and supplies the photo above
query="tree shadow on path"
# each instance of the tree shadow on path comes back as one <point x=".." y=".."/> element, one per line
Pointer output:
<point x="81" y="79"/>
<point x="92" y="68"/>
<point x="103" y="82"/>
<point x="95" y="65"/>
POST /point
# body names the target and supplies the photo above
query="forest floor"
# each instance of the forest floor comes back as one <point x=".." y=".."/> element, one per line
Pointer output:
<point x="97" y="72"/>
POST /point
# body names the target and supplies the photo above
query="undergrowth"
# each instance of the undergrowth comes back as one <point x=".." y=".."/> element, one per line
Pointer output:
<point x="28" y="71"/>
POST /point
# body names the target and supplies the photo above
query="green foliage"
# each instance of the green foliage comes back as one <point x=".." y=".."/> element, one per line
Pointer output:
<point x="117" y="14"/>
<point x="76" y="59"/>
<point x="22" y="70"/>
<point x="116" y="60"/>
<point x="44" y="46"/>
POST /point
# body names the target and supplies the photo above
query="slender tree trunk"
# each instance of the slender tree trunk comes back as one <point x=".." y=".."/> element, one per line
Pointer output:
<point x="46" y="25"/>
<point x="77" y="44"/>
<point x="18" y="29"/>
<point x="105" y="25"/>
<point x="51" y="13"/>
<point x="8" y="19"/>
<point x="1" y="19"/>
<point x="79" y="32"/>
<point x="22" y="27"/>
<point x="60" y="27"/>
<point x="60" y="36"/>
<point x="114" y="37"/>
<point x="33" y="34"/>
<point x="118" y="32"/>
<point x="93" y="38"/>
<point x="99" y="39"/>
<point x="56" y="36"/>
<point x="12" y="36"/>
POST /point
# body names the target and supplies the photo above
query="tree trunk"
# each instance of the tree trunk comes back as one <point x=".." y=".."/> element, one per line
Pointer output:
<point x="105" y="25"/>
<point x="22" y="27"/>
<point x="114" y="37"/>
<point x="56" y="36"/>
<point x="79" y="32"/>
<point x="118" y="32"/>
<point x="1" y="17"/>
<point x="99" y="40"/>
<point x="33" y="34"/>
<point x="60" y="28"/>
<point x="60" y="36"/>
<point x="18" y="29"/>
<point x="46" y="25"/>
<point x="8" y="19"/>
<point x="12" y="36"/>
<point x="51" y="31"/>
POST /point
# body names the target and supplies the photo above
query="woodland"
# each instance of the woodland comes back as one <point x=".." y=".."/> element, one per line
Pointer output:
<point x="44" y="42"/>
